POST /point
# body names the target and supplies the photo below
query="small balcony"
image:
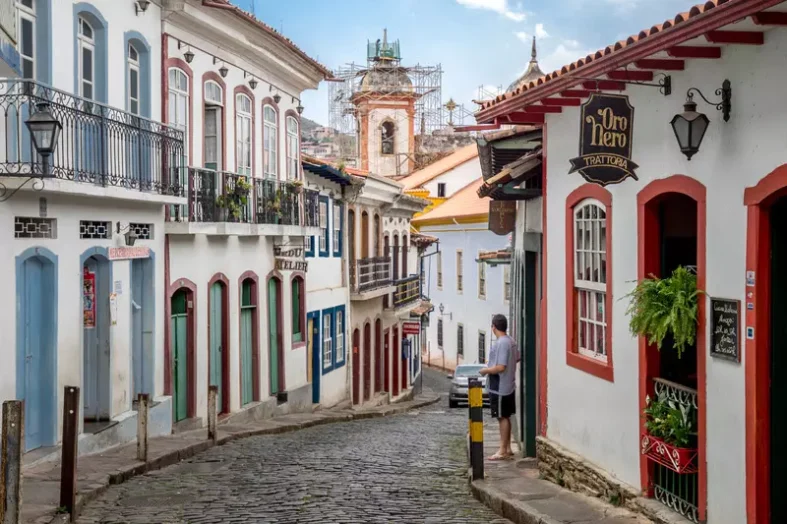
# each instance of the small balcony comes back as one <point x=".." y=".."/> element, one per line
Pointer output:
<point x="370" y="278"/>
<point x="102" y="151"/>
<point x="224" y="203"/>
<point x="407" y="292"/>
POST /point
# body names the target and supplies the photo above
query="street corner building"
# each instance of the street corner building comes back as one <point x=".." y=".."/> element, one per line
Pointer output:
<point x="654" y="161"/>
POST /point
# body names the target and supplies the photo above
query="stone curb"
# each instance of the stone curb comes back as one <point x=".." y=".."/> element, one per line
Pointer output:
<point x="84" y="496"/>
<point x="514" y="510"/>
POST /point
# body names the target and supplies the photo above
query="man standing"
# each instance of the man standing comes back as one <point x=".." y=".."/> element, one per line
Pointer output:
<point x="501" y="369"/>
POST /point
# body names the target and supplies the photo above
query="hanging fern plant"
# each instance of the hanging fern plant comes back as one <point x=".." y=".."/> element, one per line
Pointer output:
<point x="660" y="306"/>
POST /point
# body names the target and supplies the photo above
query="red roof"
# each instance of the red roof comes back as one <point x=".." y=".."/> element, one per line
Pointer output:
<point x="693" y="23"/>
<point x="225" y="4"/>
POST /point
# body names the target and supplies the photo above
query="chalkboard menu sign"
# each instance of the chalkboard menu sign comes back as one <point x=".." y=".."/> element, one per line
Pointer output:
<point x="725" y="321"/>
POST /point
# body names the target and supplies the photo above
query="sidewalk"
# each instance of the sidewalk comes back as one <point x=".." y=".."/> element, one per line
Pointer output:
<point x="512" y="489"/>
<point x="95" y="473"/>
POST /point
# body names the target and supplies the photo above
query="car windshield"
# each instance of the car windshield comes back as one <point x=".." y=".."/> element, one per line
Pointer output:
<point x="468" y="371"/>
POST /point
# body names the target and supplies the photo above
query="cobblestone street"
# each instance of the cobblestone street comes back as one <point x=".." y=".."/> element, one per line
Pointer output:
<point x="405" y="468"/>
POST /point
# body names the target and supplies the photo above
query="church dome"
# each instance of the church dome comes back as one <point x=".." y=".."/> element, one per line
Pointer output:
<point x="532" y="73"/>
<point x="386" y="79"/>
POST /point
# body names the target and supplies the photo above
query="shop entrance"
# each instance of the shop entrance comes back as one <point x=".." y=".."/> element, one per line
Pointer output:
<point x="95" y="323"/>
<point x="778" y="454"/>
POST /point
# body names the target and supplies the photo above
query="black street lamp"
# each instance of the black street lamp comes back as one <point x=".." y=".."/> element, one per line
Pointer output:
<point x="690" y="126"/>
<point x="45" y="131"/>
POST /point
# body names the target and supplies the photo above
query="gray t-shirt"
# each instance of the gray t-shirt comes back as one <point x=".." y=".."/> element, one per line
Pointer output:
<point x="503" y="352"/>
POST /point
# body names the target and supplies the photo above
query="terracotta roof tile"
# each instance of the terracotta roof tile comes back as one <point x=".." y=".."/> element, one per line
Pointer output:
<point x="445" y="164"/>
<point x="697" y="10"/>
<point x="464" y="203"/>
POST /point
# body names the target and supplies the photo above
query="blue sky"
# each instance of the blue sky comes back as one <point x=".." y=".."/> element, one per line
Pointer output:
<point x="478" y="42"/>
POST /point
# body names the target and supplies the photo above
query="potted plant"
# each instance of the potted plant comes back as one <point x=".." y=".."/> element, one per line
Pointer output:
<point x="232" y="202"/>
<point x="296" y="186"/>
<point x="666" y="306"/>
<point x="669" y="436"/>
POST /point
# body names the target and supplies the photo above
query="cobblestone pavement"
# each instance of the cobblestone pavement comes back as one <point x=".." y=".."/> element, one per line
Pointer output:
<point x="406" y="468"/>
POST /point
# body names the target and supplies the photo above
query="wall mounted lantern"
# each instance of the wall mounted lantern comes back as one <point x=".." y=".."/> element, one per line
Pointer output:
<point x="130" y="236"/>
<point x="189" y="56"/>
<point x="442" y="310"/>
<point x="277" y="98"/>
<point x="141" y="6"/>
<point x="44" y="131"/>
<point x="299" y="109"/>
<point x="253" y="84"/>
<point x="690" y="126"/>
<point x="223" y="71"/>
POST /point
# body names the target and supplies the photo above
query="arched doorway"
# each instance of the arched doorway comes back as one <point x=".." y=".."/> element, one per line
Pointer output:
<point x="275" y="343"/>
<point x="356" y="366"/>
<point x="96" y="284"/>
<point x="671" y="233"/>
<point x="182" y="341"/>
<point x="378" y="356"/>
<point x="367" y="361"/>
<point x="396" y="359"/>
<point x="249" y="340"/>
<point x="36" y="344"/>
<point x="218" y="340"/>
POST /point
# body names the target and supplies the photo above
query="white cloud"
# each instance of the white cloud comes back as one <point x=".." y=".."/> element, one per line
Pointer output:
<point x="566" y="52"/>
<point x="524" y="37"/>
<point x="541" y="32"/>
<point x="498" y="6"/>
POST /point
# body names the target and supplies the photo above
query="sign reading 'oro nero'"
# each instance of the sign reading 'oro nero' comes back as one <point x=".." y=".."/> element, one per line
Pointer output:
<point x="605" y="133"/>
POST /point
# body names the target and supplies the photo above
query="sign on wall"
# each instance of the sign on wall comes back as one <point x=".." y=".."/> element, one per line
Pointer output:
<point x="411" y="328"/>
<point x="725" y="323"/>
<point x="128" y="253"/>
<point x="88" y="299"/>
<point x="291" y="259"/>
<point x="605" y="131"/>
<point x="502" y="216"/>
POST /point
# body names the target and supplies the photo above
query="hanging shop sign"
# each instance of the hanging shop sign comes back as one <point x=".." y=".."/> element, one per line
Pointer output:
<point x="502" y="216"/>
<point x="605" y="132"/>
<point x="725" y="324"/>
<point x="411" y="328"/>
<point x="128" y="253"/>
<point x="88" y="299"/>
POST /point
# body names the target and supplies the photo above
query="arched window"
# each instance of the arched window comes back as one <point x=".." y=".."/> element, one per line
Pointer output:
<point x="293" y="149"/>
<point x="243" y="134"/>
<point x="133" y="80"/>
<point x="86" y="60"/>
<point x="270" y="141"/>
<point x="387" y="131"/>
<point x="179" y="102"/>
<point x="214" y="99"/>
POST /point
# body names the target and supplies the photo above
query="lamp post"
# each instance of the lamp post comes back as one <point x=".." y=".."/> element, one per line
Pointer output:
<point x="44" y="131"/>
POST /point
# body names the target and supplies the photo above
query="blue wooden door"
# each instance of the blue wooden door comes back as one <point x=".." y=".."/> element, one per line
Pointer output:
<point x="179" y="334"/>
<point x="37" y="375"/>
<point x="313" y="332"/>
<point x="96" y="344"/>
<point x="273" y="330"/>
<point x="216" y="339"/>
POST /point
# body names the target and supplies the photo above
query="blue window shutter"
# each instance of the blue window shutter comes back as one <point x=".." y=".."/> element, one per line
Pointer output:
<point x="333" y="335"/>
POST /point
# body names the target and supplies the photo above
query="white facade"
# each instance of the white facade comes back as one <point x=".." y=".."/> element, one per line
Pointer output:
<point x="454" y="179"/>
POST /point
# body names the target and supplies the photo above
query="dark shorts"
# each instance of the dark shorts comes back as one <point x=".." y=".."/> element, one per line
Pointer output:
<point x="502" y="407"/>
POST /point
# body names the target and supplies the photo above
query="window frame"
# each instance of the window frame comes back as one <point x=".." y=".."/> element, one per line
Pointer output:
<point x="506" y="283"/>
<point x="308" y="247"/>
<point x="441" y="190"/>
<point x="440" y="334"/>
<point x="439" y="270"/>
<point x="293" y="149"/>
<point x="244" y="149"/>
<point x="327" y="341"/>
<point x="459" y="272"/>
<point x="324" y="228"/>
<point x="481" y="279"/>
<point x="270" y="130"/>
<point x="481" y="346"/>
<point x="177" y="92"/>
<point x="298" y="281"/>
<point x="340" y="336"/>
<point x="337" y="230"/>
<point x="28" y="14"/>
<point x="390" y="140"/>
<point x="579" y="198"/>
<point x="86" y="43"/>
<point x="215" y="108"/>
<point x="133" y="65"/>
<point x="460" y="340"/>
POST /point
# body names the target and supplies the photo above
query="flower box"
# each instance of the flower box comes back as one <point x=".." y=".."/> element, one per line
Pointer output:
<point x="679" y="460"/>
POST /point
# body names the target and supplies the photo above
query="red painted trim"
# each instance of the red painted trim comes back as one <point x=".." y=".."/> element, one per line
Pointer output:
<point x="480" y="127"/>
<point x="649" y="263"/>
<point x="215" y="77"/>
<point x="631" y="75"/>
<point x="689" y="51"/>
<point x="543" y="109"/>
<point x="169" y="63"/>
<point x="770" y="18"/>
<point x="242" y="89"/>
<point x="255" y="333"/>
<point x="757" y="359"/>
<point x="276" y="275"/>
<point x="735" y="37"/>
<point x="387" y="360"/>
<point x="356" y="345"/>
<point x="395" y="348"/>
<point x="603" y="370"/>
<point x="225" y="338"/>
<point x="605" y="85"/>
<point x="191" y="352"/>
<point x="578" y="93"/>
<point x="297" y="117"/>
<point x="661" y="64"/>
<point x="367" y="360"/>
<point x="378" y="355"/>
<point x="268" y="101"/>
<point x="543" y="378"/>
<point x="301" y="277"/>
<point x="561" y="101"/>
<point x="520" y="118"/>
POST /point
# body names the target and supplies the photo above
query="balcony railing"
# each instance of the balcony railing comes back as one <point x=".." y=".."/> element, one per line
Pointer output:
<point x="408" y="291"/>
<point x="98" y="144"/>
<point x="370" y="274"/>
<point x="220" y="196"/>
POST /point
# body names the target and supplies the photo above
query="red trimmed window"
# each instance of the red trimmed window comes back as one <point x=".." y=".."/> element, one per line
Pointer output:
<point x="589" y="280"/>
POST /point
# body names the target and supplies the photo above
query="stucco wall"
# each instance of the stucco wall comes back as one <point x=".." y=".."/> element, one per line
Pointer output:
<point x="599" y="419"/>
<point x="385" y="165"/>
<point x="456" y="178"/>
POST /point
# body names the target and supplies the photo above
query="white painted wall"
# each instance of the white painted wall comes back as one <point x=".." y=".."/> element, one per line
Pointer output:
<point x="465" y="308"/>
<point x="385" y="165"/>
<point x="456" y="178"/>
<point x="598" y="419"/>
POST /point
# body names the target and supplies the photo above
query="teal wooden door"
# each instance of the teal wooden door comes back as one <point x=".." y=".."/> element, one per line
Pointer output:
<point x="246" y="343"/>
<point x="179" y="335"/>
<point x="273" y="330"/>
<point x="216" y="338"/>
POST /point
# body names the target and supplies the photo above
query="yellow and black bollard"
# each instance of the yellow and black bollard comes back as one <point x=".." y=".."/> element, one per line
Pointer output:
<point x="476" y="401"/>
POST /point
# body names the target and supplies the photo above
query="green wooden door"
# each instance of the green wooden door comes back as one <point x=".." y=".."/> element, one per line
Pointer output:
<point x="246" y="341"/>
<point x="179" y="335"/>
<point x="778" y="336"/>
<point x="273" y="330"/>
<point x="216" y="338"/>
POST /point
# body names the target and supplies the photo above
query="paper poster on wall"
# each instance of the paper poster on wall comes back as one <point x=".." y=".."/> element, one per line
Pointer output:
<point x="113" y="309"/>
<point x="89" y="299"/>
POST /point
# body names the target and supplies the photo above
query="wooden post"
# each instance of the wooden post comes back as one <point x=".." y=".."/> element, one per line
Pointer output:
<point x="213" y="397"/>
<point x="11" y="459"/>
<point x="68" y="472"/>
<point x="142" y="427"/>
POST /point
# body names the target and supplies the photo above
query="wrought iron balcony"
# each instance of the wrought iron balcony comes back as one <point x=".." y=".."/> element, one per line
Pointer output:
<point x="408" y="291"/>
<point x="98" y="144"/>
<point x="369" y="274"/>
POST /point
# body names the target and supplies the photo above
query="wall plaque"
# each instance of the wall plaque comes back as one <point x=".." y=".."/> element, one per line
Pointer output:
<point x="502" y="216"/>
<point x="605" y="129"/>
<point x="725" y="324"/>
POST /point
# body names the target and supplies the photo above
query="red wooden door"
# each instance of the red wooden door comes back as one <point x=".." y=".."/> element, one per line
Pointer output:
<point x="356" y="367"/>
<point x="387" y="362"/>
<point x="367" y="361"/>
<point x="378" y="356"/>
<point x="396" y="358"/>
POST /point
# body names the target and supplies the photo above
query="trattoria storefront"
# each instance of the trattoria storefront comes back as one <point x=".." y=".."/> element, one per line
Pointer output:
<point x="665" y="224"/>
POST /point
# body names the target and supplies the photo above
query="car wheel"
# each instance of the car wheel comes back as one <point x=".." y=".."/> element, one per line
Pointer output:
<point x="453" y="404"/>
